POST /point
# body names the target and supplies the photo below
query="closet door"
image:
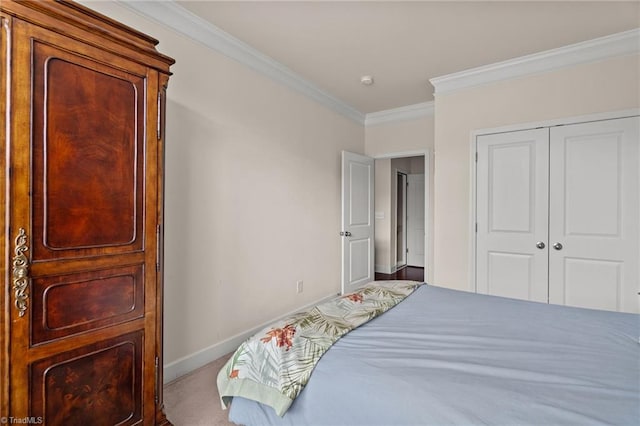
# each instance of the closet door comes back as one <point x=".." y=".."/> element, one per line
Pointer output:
<point x="594" y="209"/>
<point x="512" y="214"/>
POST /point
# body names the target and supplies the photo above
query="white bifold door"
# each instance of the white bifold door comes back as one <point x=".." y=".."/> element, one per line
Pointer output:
<point x="558" y="215"/>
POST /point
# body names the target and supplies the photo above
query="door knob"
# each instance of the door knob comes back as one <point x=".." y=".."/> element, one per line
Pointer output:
<point x="348" y="234"/>
<point x="557" y="246"/>
<point x="540" y="245"/>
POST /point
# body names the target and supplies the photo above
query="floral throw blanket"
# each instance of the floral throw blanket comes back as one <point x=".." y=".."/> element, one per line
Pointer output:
<point x="274" y="365"/>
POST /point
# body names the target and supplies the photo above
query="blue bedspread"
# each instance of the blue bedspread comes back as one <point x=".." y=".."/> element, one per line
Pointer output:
<point x="449" y="357"/>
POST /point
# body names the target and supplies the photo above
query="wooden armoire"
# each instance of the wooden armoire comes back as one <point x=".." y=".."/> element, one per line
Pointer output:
<point x="82" y="222"/>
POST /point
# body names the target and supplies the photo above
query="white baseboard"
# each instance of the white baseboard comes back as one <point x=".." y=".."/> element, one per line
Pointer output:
<point x="191" y="362"/>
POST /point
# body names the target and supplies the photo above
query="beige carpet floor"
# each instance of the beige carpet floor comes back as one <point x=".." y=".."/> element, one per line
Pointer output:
<point x="193" y="400"/>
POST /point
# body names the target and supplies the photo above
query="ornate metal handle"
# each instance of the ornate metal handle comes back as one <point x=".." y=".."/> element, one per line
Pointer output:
<point x="21" y="272"/>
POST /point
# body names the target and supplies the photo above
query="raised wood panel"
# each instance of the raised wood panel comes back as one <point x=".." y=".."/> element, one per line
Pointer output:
<point x="88" y="156"/>
<point x="68" y="304"/>
<point x="82" y="387"/>
<point x="85" y="105"/>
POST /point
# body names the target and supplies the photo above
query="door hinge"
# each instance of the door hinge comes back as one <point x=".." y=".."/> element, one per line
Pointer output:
<point x="157" y="387"/>
<point x="476" y="226"/>
<point x="476" y="157"/>
<point x="407" y="250"/>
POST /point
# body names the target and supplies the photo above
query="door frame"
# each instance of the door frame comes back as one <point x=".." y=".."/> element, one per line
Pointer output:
<point x="473" y="150"/>
<point x="401" y="263"/>
<point x="427" y="188"/>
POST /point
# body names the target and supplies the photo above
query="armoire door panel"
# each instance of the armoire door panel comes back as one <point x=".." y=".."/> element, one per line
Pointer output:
<point x="82" y="387"/>
<point x="86" y="105"/>
<point x="65" y="305"/>
<point x="88" y="156"/>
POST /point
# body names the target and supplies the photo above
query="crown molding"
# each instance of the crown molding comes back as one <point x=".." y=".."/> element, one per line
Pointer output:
<point x="408" y="112"/>
<point x="620" y="44"/>
<point x="172" y="15"/>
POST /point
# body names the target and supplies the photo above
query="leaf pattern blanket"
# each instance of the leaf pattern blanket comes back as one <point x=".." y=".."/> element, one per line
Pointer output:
<point x="274" y="365"/>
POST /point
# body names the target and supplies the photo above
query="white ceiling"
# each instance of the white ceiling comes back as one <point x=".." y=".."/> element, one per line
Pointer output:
<point x="404" y="44"/>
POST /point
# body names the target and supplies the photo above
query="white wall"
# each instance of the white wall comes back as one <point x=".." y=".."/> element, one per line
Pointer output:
<point x="407" y="136"/>
<point x="252" y="196"/>
<point x="400" y="136"/>
<point x="603" y="86"/>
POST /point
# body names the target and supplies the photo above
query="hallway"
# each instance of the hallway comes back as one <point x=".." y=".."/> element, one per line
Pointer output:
<point x="407" y="273"/>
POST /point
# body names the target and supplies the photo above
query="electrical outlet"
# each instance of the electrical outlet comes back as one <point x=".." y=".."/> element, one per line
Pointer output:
<point x="299" y="287"/>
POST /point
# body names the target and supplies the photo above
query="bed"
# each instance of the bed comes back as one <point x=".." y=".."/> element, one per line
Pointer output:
<point x="450" y="357"/>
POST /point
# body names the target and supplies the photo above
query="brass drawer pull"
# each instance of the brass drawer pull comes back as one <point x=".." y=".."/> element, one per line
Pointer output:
<point x="21" y="272"/>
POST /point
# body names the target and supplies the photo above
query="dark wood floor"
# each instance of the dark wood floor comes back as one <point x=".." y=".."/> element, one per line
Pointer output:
<point x="406" y="273"/>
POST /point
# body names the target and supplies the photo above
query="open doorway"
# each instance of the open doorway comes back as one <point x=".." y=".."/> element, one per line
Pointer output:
<point x="401" y="216"/>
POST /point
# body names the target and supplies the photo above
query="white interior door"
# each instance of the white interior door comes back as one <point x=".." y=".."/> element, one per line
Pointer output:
<point x="512" y="214"/>
<point x="594" y="208"/>
<point x="357" y="220"/>
<point x="415" y="220"/>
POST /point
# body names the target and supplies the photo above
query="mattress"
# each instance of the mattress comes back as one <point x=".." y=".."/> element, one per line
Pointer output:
<point x="449" y="357"/>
